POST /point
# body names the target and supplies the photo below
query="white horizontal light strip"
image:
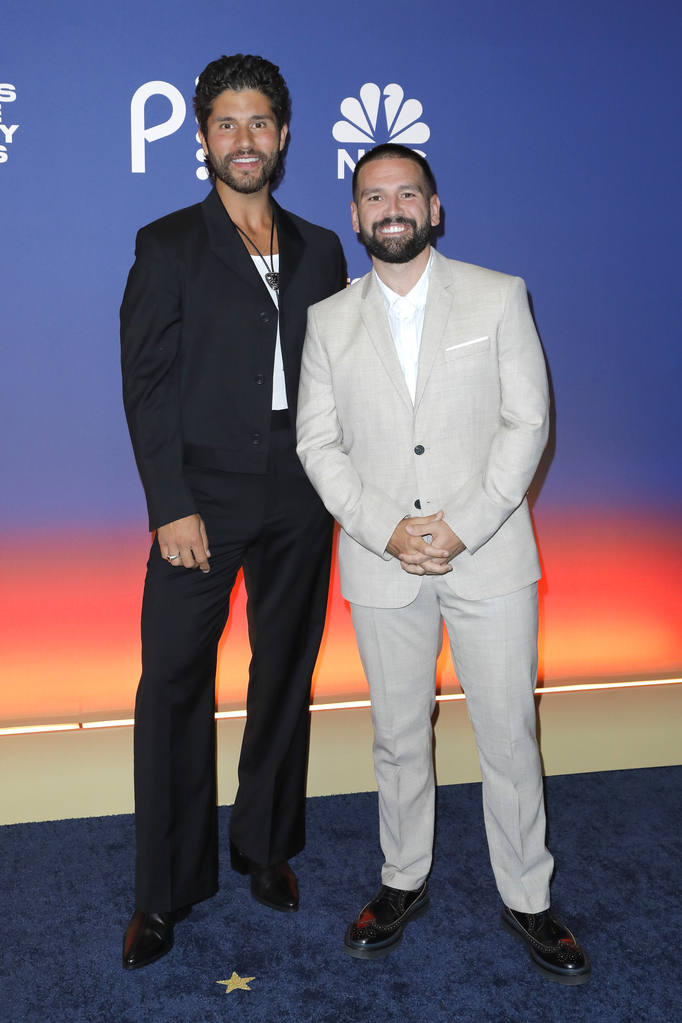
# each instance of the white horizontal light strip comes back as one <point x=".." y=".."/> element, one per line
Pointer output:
<point x="588" y="686"/>
<point x="354" y="705"/>
<point x="28" y="729"/>
<point x="351" y="705"/>
<point x="221" y="715"/>
<point x="608" y="685"/>
<point x="116" y="723"/>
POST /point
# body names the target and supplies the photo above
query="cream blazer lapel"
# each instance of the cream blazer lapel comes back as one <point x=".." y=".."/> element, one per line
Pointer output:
<point x="439" y="305"/>
<point x="374" y="317"/>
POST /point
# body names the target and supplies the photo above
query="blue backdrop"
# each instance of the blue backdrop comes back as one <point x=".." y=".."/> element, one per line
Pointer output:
<point x="553" y="131"/>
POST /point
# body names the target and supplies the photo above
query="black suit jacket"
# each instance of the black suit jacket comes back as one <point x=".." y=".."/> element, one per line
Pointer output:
<point x="198" y="332"/>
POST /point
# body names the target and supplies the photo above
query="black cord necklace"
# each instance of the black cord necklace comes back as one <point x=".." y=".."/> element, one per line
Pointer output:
<point x="272" y="277"/>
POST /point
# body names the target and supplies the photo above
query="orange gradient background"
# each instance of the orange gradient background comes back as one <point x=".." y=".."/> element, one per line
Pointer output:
<point x="610" y="599"/>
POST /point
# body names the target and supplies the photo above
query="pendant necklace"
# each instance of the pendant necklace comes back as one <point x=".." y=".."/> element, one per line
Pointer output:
<point x="272" y="277"/>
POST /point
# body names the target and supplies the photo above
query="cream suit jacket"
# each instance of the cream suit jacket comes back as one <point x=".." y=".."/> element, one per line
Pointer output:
<point x="470" y="444"/>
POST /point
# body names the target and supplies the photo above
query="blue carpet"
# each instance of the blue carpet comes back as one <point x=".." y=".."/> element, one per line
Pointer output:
<point x="616" y="837"/>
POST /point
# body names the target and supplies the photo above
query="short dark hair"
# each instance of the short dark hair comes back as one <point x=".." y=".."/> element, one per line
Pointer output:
<point x="239" y="73"/>
<point x="394" y="151"/>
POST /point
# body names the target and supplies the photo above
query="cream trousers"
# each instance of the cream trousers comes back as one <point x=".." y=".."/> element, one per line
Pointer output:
<point x="494" y="651"/>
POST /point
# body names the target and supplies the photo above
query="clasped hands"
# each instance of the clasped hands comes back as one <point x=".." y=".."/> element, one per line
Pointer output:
<point x="419" y="557"/>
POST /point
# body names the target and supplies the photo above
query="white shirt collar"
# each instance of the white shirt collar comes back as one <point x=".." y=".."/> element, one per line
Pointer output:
<point x="416" y="297"/>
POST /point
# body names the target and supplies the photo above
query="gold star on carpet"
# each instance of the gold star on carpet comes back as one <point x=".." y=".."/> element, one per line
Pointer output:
<point x="236" y="981"/>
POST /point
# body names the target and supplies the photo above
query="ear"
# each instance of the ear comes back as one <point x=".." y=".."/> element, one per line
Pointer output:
<point x="434" y="206"/>
<point x="203" y="141"/>
<point x="354" y="217"/>
<point x="283" y="136"/>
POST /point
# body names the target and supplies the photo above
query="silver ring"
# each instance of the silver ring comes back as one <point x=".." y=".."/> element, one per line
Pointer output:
<point x="172" y="557"/>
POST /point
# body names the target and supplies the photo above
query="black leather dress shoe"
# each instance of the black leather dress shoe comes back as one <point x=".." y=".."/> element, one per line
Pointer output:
<point x="378" y="928"/>
<point x="274" y="886"/>
<point x="149" y="936"/>
<point x="554" y="952"/>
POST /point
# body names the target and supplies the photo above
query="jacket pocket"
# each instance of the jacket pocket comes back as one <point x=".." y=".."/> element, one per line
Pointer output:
<point x="466" y="350"/>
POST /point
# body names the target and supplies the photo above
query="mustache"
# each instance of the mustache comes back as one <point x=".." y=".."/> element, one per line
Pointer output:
<point x="387" y="221"/>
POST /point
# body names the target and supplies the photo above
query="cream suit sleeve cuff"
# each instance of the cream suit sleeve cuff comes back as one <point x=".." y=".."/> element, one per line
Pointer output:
<point x="485" y="502"/>
<point x="365" y="512"/>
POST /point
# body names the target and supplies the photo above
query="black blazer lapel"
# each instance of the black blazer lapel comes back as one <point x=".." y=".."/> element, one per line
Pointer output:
<point x="291" y="246"/>
<point x="226" y="243"/>
<point x="291" y="249"/>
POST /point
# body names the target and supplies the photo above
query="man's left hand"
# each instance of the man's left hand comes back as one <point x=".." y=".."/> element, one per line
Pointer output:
<point x="422" y="561"/>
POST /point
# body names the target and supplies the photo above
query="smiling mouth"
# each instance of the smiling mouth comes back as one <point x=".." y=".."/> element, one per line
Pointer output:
<point x="246" y="161"/>
<point x="390" y="228"/>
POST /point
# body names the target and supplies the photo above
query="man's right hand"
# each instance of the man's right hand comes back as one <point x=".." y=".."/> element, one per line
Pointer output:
<point x="434" y="560"/>
<point x="186" y="538"/>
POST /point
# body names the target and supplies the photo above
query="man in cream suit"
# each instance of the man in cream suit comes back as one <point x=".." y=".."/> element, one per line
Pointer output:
<point x="422" y="417"/>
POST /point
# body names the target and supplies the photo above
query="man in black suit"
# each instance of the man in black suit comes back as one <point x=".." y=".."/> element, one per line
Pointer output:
<point x="212" y="327"/>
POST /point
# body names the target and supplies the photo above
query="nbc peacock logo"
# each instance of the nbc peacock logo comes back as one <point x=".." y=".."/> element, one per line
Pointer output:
<point x="362" y="122"/>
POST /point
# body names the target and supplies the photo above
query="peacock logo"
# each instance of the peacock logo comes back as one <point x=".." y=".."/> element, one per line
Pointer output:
<point x="363" y="125"/>
<point x="402" y="119"/>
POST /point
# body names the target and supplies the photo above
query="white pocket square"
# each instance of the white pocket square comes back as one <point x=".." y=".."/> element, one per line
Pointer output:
<point x="465" y="343"/>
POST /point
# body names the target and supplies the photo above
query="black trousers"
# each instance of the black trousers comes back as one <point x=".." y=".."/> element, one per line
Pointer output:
<point x="276" y="527"/>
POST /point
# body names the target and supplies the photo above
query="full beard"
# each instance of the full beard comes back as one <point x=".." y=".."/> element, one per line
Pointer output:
<point x="269" y="168"/>
<point x="399" y="248"/>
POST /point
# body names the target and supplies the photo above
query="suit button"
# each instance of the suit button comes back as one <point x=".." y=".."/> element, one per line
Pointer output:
<point x="255" y="439"/>
<point x="264" y="317"/>
<point x="419" y="450"/>
<point x="418" y="504"/>
<point x="259" y="378"/>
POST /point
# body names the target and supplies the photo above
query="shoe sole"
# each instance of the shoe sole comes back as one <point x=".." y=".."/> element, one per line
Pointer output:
<point x="569" y="979"/>
<point x="390" y="945"/>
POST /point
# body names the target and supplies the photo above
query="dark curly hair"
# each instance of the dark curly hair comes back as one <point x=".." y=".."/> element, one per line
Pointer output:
<point x="240" y="73"/>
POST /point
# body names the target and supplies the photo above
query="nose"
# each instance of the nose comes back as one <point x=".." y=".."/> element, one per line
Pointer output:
<point x="244" y="138"/>
<point x="393" y="206"/>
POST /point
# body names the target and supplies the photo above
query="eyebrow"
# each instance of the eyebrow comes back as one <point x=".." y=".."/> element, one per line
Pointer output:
<point x="251" y="117"/>
<point x="412" y="187"/>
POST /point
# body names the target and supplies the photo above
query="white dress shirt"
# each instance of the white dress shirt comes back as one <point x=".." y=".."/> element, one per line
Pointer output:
<point x="279" y="387"/>
<point x="406" y="320"/>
